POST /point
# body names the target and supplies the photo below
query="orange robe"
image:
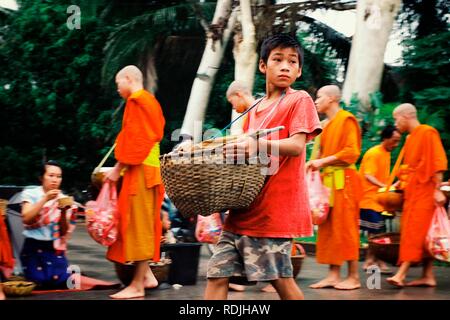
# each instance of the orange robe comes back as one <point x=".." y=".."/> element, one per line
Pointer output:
<point x="338" y="236"/>
<point x="376" y="162"/>
<point x="142" y="191"/>
<point x="424" y="157"/>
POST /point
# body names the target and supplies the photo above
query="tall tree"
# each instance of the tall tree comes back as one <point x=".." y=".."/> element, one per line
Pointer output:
<point x="244" y="52"/>
<point x="374" y="21"/>
<point x="218" y="35"/>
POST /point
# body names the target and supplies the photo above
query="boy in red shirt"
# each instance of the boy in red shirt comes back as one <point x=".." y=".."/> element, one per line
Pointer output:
<point x="257" y="241"/>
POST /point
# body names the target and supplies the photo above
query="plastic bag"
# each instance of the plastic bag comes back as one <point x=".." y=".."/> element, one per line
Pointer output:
<point x="102" y="215"/>
<point x="319" y="197"/>
<point x="438" y="237"/>
<point x="208" y="228"/>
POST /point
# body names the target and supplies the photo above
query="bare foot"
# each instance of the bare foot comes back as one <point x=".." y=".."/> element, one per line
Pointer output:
<point x="150" y="281"/>
<point x="129" y="293"/>
<point x="422" y="282"/>
<point x="269" y="288"/>
<point x="236" y="287"/>
<point x="384" y="269"/>
<point x="395" y="281"/>
<point x="348" y="284"/>
<point x="325" y="283"/>
<point x="367" y="264"/>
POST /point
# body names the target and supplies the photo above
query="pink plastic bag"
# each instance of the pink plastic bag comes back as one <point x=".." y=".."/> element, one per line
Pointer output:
<point x="438" y="237"/>
<point x="208" y="228"/>
<point x="102" y="215"/>
<point x="319" y="197"/>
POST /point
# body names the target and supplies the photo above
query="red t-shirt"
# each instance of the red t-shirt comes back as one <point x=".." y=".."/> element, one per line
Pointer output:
<point x="281" y="210"/>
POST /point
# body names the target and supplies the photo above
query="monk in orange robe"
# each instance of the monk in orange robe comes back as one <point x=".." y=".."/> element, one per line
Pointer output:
<point x="423" y="164"/>
<point x="142" y="192"/>
<point x="340" y="147"/>
<point x="375" y="170"/>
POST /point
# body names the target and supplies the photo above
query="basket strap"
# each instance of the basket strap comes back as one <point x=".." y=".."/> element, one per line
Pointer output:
<point x="395" y="169"/>
<point x="105" y="158"/>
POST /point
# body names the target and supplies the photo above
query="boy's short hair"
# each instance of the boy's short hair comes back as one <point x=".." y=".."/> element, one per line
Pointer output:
<point x="280" y="40"/>
<point x="388" y="132"/>
<point x="236" y="86"/>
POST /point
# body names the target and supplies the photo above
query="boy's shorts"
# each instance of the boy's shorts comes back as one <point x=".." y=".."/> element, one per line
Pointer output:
<point x="259" y="259"/>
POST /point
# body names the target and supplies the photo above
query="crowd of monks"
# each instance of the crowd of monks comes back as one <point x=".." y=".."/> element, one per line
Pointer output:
<point x="421" y="173"/>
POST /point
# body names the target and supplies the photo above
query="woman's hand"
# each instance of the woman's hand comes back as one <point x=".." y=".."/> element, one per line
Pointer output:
<point x="52" y="194"/>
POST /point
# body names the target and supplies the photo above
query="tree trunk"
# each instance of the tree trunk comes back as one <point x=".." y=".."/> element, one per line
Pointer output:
<point x="245" y="56"/>
<point x="217" y="39"/>
<point x="374" y="21"/>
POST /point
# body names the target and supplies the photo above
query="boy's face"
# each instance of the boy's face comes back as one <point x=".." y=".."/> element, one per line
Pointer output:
<point x="282" y="68"/>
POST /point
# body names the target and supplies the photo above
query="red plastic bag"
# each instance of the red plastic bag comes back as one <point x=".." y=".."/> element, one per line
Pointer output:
<point x="438" y="237"/>
<point x="103" y="215"/>
<point x="208" y="228"/>
<point x="319" y="197"/>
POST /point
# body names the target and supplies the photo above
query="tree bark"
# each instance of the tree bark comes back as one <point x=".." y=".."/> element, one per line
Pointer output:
<point x="217" y="38"/>
<point x="245" y="56"/>
<point x="374" y="21"/>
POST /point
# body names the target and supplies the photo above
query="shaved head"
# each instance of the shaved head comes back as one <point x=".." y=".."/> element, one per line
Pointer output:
<point x="331" y="91"/>
<point x="327" y="98"/>
<point x="406" y="110"/>
<point x="129" y="80"/>
<point x="132" y="72"/>
<point x="237" y="86"/>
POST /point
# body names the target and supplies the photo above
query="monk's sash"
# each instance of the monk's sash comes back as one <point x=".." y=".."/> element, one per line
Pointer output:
<point x="151" y="169"/>
<point x="334" y="178"/>
<point x="153" y="157"/>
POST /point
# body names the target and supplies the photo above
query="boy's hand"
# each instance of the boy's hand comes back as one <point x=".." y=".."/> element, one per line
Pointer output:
<point x="243" y="148"/>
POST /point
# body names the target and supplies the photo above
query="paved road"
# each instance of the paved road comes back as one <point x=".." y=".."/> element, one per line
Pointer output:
<point x="90" y="256"/>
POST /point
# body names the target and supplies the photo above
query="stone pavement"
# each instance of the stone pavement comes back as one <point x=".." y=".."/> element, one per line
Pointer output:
<point x="90" y="257"/>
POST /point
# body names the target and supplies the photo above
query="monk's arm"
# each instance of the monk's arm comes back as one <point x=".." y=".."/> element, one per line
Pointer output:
<point x="438" y="177"/>
<point x="374" y="180"/>
<point x="439" y="196"/>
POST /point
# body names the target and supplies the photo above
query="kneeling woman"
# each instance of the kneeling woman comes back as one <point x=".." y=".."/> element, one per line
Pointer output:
<point x="47" y="226"/>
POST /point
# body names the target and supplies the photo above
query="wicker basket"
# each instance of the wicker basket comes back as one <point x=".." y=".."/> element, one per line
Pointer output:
<point x="3" y="204"/>
<point x="387" y="252"/>
<point x="18" y="288"/>
<point x="297" y="259"/>
<point x="207" y="184"/>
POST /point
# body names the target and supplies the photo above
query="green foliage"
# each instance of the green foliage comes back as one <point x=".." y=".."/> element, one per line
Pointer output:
<point x="427" y="80"/>
<point x="50" y="96"/>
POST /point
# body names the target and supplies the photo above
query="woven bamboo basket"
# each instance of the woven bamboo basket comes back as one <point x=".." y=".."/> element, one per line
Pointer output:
<point x="201" y="181"/>
<point x="18" y="288"/>
<point x="3" y="204"/>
